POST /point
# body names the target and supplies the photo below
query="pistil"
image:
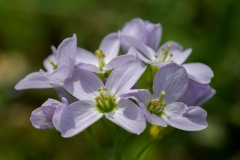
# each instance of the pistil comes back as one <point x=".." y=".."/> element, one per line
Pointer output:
<point x="105" y="102"/>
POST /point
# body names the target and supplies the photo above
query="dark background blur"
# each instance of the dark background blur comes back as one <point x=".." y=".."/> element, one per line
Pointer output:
<point x="29" y="27"/>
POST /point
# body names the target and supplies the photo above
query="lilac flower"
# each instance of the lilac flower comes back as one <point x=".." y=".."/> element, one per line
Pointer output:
<point x="196" y="94"/>
<point x="162" y="108"/>
<point x="59" y="67"/>
<point x="170" y="52"/>
<point x="98" y="100"/>
<point x="105" y="57"/>
<point x="144" y="31"/>
<point x="47" y="116"/>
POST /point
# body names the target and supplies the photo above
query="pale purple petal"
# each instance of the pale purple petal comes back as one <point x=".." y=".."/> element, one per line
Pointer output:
<point x="183" y="117"/>
<point x="83" y="84"/>
<point x="151" y="52"/>
<point x="66" y="52"/>
<point x="205" y="97"/>
<point x="58" y="76"/>
<point x="128" y="116"/>
<point x="135" y="28"/>
<point x="54" y="50"/>
<point x="199" y="72"/>
<point x="86" y="57"/>
<point x="132" y="51"/>
<point x="124" y="77"/>
<point x="152" y="118"/>
<point x="63" y="93"/>
<point x="41" y="117"/>
<point x="46" y="63"/>
<point x="141" y="47"/>
<point x="110" y="46"/>
<point x="159" y="64"/>
<point x="155" y="35"/>
<point x="77" y="117"/>
<point x="117" y="61"/>
<point x="34" y="80"/>
<point x="174" y="46"/>
<point x="195" y="93"/>
<point x="140" y="95"/>
<point x="89" y="67"/>
<point x="179" y="55"/>
<point x="173" y="79"/>
<point x="58" y="112"/>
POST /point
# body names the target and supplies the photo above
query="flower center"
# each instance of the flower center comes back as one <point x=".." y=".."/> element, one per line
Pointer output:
<point x="53" y="64"/>
<point x="156" y="106"/>
<point x="105" y="102"/>
<point x="163" y="55"/>
<point x="101" y="56"/>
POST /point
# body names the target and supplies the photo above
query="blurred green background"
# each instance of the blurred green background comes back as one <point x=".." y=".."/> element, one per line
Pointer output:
<point x="29" y="27"/>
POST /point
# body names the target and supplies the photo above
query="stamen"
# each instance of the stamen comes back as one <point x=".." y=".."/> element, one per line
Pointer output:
<point x="165" y="53"/>
<point x="53" y="64"/>
<point x="163" y="93"/>
<point x="105" y="102"/>
<point x="100" y="55"/>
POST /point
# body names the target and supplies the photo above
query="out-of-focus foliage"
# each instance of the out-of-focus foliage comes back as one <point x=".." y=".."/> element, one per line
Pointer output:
<point x="29" y="27"/>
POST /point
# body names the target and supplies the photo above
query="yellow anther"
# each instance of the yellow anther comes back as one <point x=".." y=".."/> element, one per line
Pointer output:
<point x="169" y="45"/>
<point x="171" y="55"/>
<point x="105" y="89"/>
<point x="163" y="93"/>
<point x="99" y="89"/>
<point x="98" y="52"/>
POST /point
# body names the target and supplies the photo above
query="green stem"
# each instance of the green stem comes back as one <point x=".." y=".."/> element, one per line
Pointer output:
<point x="139" y="155"/>
<point x="94" y="144"/>
<point x="107" y="128"/>
<point x="117" y="155"/>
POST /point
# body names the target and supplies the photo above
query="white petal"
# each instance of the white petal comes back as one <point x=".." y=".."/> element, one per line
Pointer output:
<point x="128" y="116"/>
<point x="110" y="46"/>
<point x="199" y="72"/>
<point x="124" y="77"/>
<point x="83" y="84"/>
<point x="77" y="117"/>
<point x="183" y="117"/>
<point x="173" y="79"/>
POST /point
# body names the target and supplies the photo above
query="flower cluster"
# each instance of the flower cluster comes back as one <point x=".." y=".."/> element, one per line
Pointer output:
<point x="105" y="84"/>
